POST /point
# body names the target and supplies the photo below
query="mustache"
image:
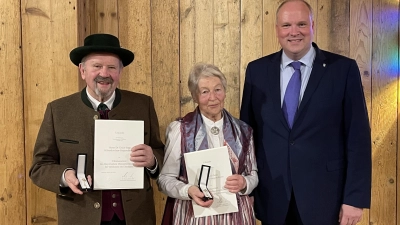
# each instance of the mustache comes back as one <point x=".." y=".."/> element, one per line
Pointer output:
<point x="104" y="79"/>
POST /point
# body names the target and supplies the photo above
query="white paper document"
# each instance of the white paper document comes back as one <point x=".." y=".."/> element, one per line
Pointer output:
<point x="218" y="159"/>
<point x="113" y="140"/>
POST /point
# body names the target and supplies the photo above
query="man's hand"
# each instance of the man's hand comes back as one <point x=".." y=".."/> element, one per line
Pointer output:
<point x="195" y="193"/>
<point x="73" y="182"/>
<point x="235" y="183"/>
<point x="142" y="156"/>
<point x="350" y="215"/>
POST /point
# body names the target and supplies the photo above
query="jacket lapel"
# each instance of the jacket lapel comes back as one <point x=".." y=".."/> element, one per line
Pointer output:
<point x="274" y="84"/>
<point x="317" y="73"/>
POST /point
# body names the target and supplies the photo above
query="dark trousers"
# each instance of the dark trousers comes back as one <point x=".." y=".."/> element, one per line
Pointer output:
<point x="115" y="221"/>
<point x="293" y="215"/>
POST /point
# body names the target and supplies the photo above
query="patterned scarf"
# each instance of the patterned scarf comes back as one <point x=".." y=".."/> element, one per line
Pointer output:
<point x="237" y="135"/>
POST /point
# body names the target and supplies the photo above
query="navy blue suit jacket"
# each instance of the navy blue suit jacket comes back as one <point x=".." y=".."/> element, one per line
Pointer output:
<point x="326" y="157"/>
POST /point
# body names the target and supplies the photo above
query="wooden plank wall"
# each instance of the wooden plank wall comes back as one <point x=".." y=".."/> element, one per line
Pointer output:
<point x="49" y="32"/>
<point x="168" y="37"/>
<point x="12" y="165"/>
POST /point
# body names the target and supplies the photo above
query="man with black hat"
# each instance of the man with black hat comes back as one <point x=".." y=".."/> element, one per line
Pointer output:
<point x="68" y="129"/>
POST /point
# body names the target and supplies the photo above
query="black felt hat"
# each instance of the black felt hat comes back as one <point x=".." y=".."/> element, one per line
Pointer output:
<point x="101" y="43"/>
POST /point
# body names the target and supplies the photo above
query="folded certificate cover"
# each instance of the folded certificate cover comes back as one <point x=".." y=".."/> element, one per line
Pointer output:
<point x="220" y="168"/>
<point x="113" y="140"/>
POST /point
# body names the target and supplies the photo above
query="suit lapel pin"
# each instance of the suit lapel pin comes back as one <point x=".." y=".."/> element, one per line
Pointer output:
<point x="324" y="65"/>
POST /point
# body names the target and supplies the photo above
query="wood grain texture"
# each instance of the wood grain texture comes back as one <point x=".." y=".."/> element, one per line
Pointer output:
<point x="48" y="37"/>
<point x="361" y="51"/>
<point x="196" y="43"/>
<point x="135" y="35"/>
<point x="339" y="35"/>
<point x="227" y="49"/>
<point x="105" y="17"/>
<point x="361" y="42"/>
<point x="12" y="158"/>
<point x="314" y="6"/>
<point x="333" y="23"/>
<point x="384" y="110"/>
<point x="251" y="39"/>
<point x="187" y="54"/>
<point x="270" y="41"/>
<point x="323" y="23"/>
<point x="83" y="9"/>
<point x="165" y="70"/>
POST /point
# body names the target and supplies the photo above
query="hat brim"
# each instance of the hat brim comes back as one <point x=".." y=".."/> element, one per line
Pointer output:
<point x="77" y="54"/>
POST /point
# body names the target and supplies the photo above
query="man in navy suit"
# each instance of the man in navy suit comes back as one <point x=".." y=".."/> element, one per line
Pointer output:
<point x="316" y="169"/>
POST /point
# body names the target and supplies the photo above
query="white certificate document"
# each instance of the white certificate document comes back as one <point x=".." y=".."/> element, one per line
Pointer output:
<point x="218" y="159"/>
<point x="113" y="140"/>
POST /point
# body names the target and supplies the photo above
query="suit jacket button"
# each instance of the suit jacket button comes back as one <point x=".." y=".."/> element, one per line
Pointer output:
<point x="95" y="117"/>
<point x="96" y="205"/>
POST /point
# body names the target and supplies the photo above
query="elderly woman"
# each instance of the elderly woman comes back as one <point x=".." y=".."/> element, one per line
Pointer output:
<point x="216" y="127"/>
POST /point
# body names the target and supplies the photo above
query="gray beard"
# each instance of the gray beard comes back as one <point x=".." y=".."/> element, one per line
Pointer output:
<point x="102" y="95"/>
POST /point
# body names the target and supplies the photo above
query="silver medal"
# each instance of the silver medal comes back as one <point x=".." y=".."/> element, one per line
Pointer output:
<point x="214" y="130"/>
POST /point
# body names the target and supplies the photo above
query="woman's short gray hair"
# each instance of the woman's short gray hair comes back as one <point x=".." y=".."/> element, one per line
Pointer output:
<point x="201" y="70"/>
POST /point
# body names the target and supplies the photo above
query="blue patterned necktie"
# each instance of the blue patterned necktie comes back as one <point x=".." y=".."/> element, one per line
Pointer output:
<point x="291" y="99"/>
<point x="103" y="110"/>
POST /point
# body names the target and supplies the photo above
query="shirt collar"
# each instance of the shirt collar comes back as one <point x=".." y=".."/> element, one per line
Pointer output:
<point x="95" y="103"/>
<point x="211" y="123"/>
<point x="306" y="60"/>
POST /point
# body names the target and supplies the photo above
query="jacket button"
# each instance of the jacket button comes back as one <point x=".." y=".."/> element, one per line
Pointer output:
<point x="96" y="205"/>
<point x="95" y="117"/>
<point x="114" y="204"/>
<point x="113" y="195"/>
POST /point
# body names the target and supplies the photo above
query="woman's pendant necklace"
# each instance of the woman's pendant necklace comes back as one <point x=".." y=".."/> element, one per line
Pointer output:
<point x="214" y="130"/>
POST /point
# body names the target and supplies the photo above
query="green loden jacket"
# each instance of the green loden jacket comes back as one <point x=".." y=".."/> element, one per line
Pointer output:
<point x="67" y="130"/>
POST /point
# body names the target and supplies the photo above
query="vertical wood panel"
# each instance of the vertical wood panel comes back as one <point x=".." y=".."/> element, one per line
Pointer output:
<point x="322" y="24"/>
<point x="187" y="55"/>
<point x="361" y="42"/>
<point x="339" y="38"/>
<point x="251" y="39"/>
<point x="314" y="6"/>
<point x="227" y="48"/>
<point x="48" y="74"/>
<point x="196" y="42"/>
<point x="361" y="51"/>
<point x="165" y="69"/>
<point x="105" y="19"/>
<point x="251" y="35"/>
<point x="270" y="41"/>
<point x="84" y="17"/>
<point x="398" y="124"/>
<point x="12" y="164"/>
<point x="333" y="19"/>
<point x="384" y="112"/>
<point x="135" y="35"/>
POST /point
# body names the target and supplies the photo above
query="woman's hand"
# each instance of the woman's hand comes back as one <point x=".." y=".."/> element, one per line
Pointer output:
<point x="195" y="193"/>
<point x="235" y="183"/>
